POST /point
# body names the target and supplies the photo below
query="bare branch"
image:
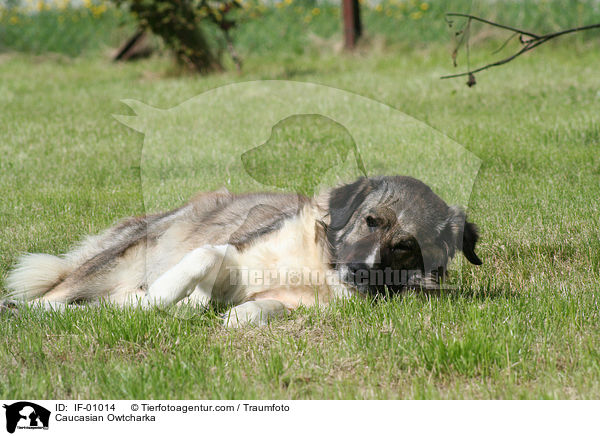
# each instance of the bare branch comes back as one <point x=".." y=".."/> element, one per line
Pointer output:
<point x="505" y="43"/>
<point x="491" y="23"/>
<point x="533" y="41"/>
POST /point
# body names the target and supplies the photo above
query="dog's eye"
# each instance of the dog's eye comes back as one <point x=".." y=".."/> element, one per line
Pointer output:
<point x="372" y="221"/>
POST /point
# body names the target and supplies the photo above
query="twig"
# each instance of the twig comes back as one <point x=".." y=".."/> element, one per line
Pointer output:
<point x="532" y="42"/>
<point x="505" y="43"/>
<point x="233" y="52"/>
<point x="491" y="23"/>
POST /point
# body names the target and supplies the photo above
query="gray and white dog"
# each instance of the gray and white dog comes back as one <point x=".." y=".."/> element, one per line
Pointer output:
<point x="264" y="253"/>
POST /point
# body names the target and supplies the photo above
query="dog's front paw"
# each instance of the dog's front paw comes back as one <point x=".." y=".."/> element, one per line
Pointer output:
<point x="257" y="313"/>
<point x="247" y="313"/>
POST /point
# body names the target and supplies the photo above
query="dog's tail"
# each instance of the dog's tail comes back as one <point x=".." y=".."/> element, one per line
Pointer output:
<point x="36" y="274"/>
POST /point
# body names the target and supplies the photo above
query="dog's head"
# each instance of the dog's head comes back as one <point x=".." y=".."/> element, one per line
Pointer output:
<point x="395" y="232"/>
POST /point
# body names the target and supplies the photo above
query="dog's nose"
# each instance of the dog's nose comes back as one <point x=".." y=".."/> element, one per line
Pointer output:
<point x="355" y="267"/>
<point x="404" y="243"/>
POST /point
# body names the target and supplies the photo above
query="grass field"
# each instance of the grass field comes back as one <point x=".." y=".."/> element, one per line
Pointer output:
<point x="524" y="325"/>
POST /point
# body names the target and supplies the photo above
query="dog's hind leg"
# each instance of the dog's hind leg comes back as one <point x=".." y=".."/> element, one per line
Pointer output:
<point x="198" y="268"/>
<point x="15" y="306"/>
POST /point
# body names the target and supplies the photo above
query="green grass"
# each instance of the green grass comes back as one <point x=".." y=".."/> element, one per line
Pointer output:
<point x="524" y="325"/>
<point x="70" y="31"/>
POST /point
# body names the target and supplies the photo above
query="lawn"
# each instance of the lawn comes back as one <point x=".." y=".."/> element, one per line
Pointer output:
<point x="526" y="324"/>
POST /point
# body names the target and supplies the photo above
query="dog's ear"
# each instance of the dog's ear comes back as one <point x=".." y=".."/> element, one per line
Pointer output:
<point x="344" y="201"/>
<point x="470" y="238"/>
<point x="462" y="234"/>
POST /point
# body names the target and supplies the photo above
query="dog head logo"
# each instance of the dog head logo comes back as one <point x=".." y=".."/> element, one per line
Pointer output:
<point x="296" y="162"/>
<point x="26" y="415"/>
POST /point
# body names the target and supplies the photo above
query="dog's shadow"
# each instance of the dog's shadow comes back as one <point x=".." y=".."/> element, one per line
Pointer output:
<point x="474" y="293"/>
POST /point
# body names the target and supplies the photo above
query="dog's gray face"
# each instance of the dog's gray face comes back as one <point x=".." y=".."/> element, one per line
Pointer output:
<point x="395" y="232"/>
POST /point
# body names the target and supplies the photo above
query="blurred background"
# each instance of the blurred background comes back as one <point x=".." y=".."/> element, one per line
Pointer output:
<point x="210" y="36"/>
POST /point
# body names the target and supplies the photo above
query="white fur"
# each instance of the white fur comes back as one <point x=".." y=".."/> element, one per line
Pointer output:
<point x="370" y="260"/>
<point x="35" y="274"/>
<point x="254" y="312"/>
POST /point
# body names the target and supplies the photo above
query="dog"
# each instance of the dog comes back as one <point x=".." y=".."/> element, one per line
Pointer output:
<point x="263" y="253"/>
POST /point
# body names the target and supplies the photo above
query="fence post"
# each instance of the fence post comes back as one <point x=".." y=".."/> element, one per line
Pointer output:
<point x="352" y="24"/>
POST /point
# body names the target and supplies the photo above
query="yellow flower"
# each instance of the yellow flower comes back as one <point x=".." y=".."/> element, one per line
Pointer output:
<point x="288" y="2"/>
<point x="316" y="11"/>
<point x="14" y="20"/>
<point x="40" y="5"/>
<point x="278" y="5"/>
<point x="424" y="6"/>
<point x="379" y="8"/>
<point x="97" y="11"/>
<point x="307" y="19"/>
<point x="87" y="3"/>
<point x="416" y="15"/>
